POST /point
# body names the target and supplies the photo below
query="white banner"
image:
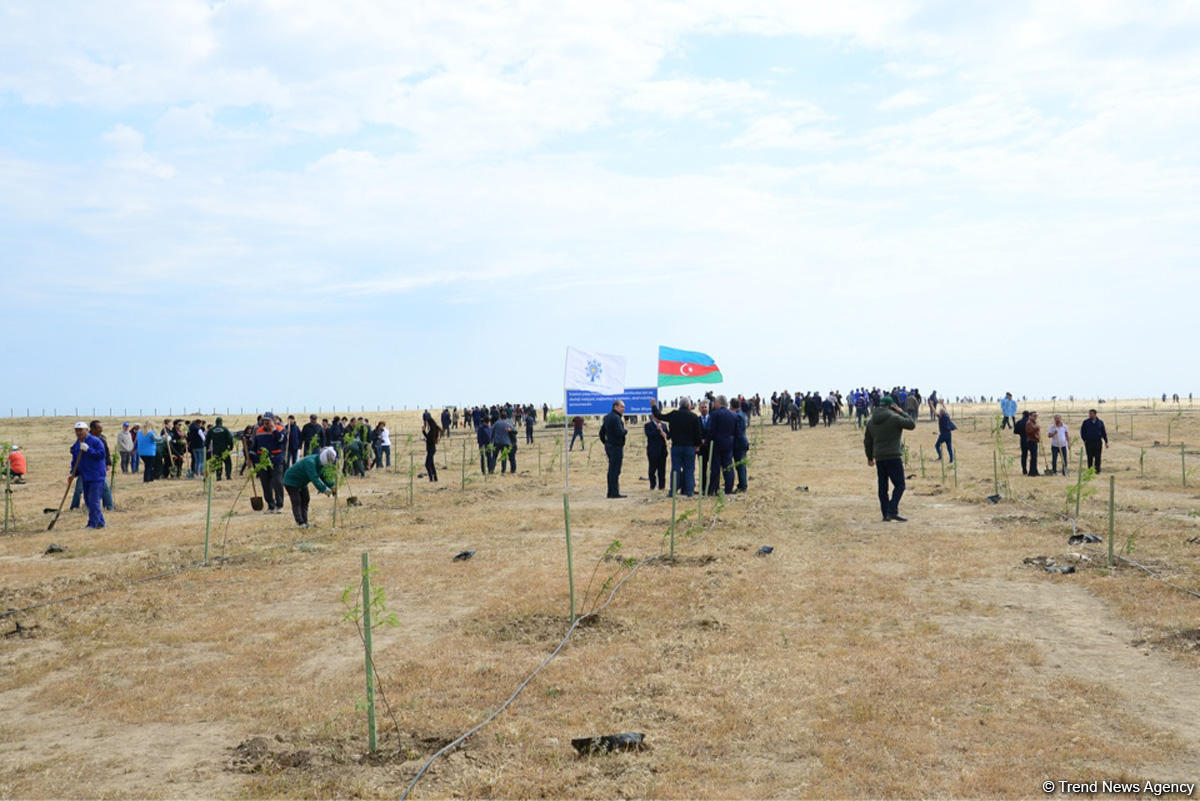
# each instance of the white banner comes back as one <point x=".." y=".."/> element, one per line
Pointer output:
<point x="594" y="372"/>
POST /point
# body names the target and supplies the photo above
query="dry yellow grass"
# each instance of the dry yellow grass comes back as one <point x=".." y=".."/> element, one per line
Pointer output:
<point x="860" y="659"/>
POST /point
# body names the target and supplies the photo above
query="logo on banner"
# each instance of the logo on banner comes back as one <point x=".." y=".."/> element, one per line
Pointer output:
<point x="593" y="370"/>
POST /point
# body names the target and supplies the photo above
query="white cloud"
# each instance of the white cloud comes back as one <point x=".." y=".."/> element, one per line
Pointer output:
<point x="129" y="155"/>
<point x="675" y="99"/>
<point x="470" y="152"/>
<point x="793" y="129"/>
<point x="903" y="100"/>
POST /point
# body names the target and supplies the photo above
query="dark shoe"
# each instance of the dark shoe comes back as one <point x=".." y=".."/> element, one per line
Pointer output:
<point x="898" y="519"/>
<point x="618" y="496"/>
<point x="886" y="518"/>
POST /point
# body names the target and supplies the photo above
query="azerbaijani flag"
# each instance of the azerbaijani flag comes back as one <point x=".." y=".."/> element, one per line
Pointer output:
<point x="686" y="367"/>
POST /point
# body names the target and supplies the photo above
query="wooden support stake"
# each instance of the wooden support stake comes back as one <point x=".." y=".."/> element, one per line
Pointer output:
<point x="370" y="666"/>
<point x="1112" y="489"/>
<point x="208" y="479"/>
<point x="674" y="492"/>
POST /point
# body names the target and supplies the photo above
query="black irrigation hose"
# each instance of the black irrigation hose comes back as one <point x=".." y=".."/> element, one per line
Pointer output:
<point x="173" y="571"/>
<point x="562" y="644"/>
<point x="1155" y="576"/>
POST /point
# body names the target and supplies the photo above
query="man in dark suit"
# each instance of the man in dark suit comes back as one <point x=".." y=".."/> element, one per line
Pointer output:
<point x="741" y="445"/>
<point x="705" y="439"/>
<point x="612" y="434"/>
<point x="656" y="453"/>
<point x="722" y="426"/>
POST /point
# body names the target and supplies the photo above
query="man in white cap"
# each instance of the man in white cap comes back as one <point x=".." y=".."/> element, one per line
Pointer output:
<point x="300" y="475"/>
<point x="89" y="461"/>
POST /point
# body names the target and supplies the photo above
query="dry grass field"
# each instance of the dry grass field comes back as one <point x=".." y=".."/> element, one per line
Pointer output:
<point x="859" y="659"/>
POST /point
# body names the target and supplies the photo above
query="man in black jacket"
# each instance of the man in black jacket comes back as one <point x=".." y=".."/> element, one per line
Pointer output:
<point x="685" y="441"/>
<point x="612" y="434"/>
<point x="312" y="436"/>
<point x="656" y="453"/>
<point x="1092" y="432"/>
<point x="1019" y="430"/>
<point x="293" y="441"/>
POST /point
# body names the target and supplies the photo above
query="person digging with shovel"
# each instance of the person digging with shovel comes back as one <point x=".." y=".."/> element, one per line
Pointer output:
<point x="90" y="458"/>
<point x="304" y="472"/>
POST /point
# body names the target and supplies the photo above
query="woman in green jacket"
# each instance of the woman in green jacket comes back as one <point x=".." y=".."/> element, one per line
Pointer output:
<point x="300" y="475"/>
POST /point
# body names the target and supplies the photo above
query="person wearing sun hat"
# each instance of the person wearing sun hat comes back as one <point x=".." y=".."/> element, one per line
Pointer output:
<point x="885" y="451"/>
<point x="304" y="472"/>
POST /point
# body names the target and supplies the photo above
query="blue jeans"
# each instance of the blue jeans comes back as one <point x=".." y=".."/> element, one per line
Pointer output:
<point x="134" y="462"/>
<point x="386" y="450"/>
<point x="198" y="462"/>
<point x="683" y="468"/>
<point x="578" y="434"/>
<point x="949" y="447"/>
<point x="93" y="492"/>
<point x="890" y="470"/>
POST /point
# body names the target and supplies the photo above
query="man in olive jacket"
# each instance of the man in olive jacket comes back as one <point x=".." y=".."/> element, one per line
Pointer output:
<point x="220" y="444"/>
<point x="884" y="448"/>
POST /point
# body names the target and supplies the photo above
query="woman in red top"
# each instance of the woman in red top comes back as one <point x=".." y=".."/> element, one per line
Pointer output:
<point x="16" y="464"/>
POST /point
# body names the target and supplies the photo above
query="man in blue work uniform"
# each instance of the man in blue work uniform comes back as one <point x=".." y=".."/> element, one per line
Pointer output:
<point x="612" y="434"/>
<point x="89" y="460"/>
<point x="271" y="438"/>
<point x="722" y="425"/>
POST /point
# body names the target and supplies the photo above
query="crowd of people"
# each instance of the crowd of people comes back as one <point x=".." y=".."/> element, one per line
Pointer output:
<point x="286" y="457"/>
<point x="715" y="432"/>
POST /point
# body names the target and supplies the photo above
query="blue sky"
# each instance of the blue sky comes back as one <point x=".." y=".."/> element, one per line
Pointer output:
<point x="250" y="203"/>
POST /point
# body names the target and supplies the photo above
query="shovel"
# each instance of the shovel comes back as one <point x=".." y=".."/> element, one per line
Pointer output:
<point x="256" y="503"/>
<point x="74" y="471"/>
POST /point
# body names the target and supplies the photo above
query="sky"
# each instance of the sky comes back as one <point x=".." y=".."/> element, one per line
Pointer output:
<point x="284" y="203"/>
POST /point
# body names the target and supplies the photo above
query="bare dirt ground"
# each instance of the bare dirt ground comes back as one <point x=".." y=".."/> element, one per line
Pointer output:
<point x="859" y="659"/>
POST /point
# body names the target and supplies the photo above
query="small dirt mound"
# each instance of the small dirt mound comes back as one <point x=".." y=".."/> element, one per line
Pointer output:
<point x="1183" y="640"/>
<point x="698" y="560"/>
<point x="257" y="755"/>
